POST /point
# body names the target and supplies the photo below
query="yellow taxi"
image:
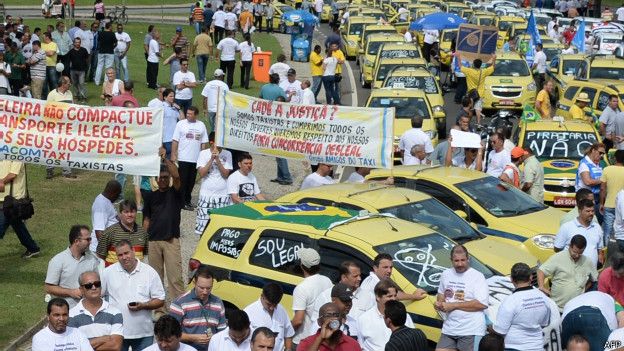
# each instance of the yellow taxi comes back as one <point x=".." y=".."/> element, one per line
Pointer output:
<point x="279" y="9"/>
<point x="370" y="29"/>
<point x="598" y="91"/>
<point x="511" y="86"/>
<point x="407" y="103"/>
<point x="559" y="146"/>
<point x="432" y="3"/>
<point x="446" y="38"/>
<point x="562" y="70"/>
<point x="327" y="15"/>
<point x="351" y="34"/>
<point x="417" y="207"/>
<point x="398" y="50"/>
<point x="375" y="13"/>
<point x="420" y="78"/>
<point x="483" y="19"/>
<point x="366" y="59"/>
<point x="384" y="66"/>
<point x="496" y="207"/>
<point x="465" y="13"/>
<point x="504" y="24"/>
<point x="454" y="7"/>
<point x="247" y="245"/>
<point x="606" y="68"/>
<point x="552" y="50"/>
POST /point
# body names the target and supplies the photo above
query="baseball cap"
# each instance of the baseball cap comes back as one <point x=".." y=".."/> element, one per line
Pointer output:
<point x="309" y="257"/>
<point x="291" y="71"/>
<point x="342" y="291"/>
<point x="219" y="72"/>
<point x="518" y="152"/>
<point x="178" y="29"/>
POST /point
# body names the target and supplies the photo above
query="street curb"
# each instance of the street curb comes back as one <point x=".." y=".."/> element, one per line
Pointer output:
<point x="26" y="336"/>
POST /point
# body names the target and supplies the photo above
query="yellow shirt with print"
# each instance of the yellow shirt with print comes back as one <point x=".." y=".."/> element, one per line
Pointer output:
<point x="544" y="98"/>
<point x="475" y="78"/>
<point x="51" y="46"/>
<point x="339" y="55"/>
<point x="316" y="64"/>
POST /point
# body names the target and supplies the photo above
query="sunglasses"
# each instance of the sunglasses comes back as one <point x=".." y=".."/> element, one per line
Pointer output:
<point x="89" y="286"/>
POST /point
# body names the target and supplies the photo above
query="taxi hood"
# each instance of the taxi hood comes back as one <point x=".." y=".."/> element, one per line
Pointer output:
<point x="559" y="168"/>
<point x="541" y="222"/>
<point x="499" y="255"/>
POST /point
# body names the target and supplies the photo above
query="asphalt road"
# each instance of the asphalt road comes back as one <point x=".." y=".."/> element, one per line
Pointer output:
<point x="353" y="91"/>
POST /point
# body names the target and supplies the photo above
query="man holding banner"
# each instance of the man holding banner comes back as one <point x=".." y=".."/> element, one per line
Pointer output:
<point x="62" y="93"/>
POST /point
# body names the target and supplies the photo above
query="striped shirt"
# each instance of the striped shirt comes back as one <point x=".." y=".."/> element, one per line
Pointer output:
<point x="196" y="316"/>
<point x="407" y="339"/>
<point x="38" y="65"/>
<point x="107" y="320"/>
<point x="115" y="233"/>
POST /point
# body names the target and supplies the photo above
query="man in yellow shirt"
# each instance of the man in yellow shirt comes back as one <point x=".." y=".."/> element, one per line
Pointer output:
<point x="475" y="79"/>
<point x="51" y="51"/>
<point x="542" y="101"/>
<point x="612" y="182"/>
<point x="339" y="55"/>
<point x="316" y="69"/>
<point x="576" y="111"/>
<point x="202" y="50"/>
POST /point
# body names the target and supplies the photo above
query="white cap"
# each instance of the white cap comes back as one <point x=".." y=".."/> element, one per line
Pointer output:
<point x="219" y="72"/>
<point x="309" y="257"/>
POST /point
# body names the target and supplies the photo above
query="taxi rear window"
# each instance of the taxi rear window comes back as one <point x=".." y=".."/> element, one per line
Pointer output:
<point x="405" y="107"/>
<point x="559" y="145"/>
<point x="511" y="68"/>
<point x="229" y="241"/>
<point x="425" y="83"/>
<point x="399" y="53"/>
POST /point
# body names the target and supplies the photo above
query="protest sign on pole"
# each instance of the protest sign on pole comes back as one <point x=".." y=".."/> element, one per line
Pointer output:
<point x="337" y="135"/>
<point x="108" y="139"/>
<point x="476" y="42"/>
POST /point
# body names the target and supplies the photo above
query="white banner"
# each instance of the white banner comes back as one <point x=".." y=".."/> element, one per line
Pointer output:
<point x="109" y="139"/>
<point x="338" y="135"/>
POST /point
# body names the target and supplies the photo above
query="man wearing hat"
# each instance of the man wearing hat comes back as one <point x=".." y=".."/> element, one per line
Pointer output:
<point x="342" y="295"/>
<point x="211" y="95"/>
<point x="576" y="111"/>
<point x="511" y="173"/>
<point x="180" y="41"/>
<point x="305" y="293"/>
<point x="292" y="87"/>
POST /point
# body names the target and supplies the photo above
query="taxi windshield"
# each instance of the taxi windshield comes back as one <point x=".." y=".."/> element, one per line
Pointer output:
<point x="551" y="52"/>
<point x="548" y="145"/>
<point x="498" y="198"/>
<point x="611" y="73"/>
<point x="542" y="21"/>
<point x="449" y="35"/>
<point x="373" y="47"/>
<point x="570" y="66"/>
<point x="485" y="21"/>
<point x="422" y="259"/>
<point x="511" y="68"/>
<point x="433" y="214"/>
<point x="404" y="107"/>
<point x="386" y="68"/>
<point x="426" y="83"/>
<point x="611" y="40"/>
<point x="504" y="26"/>
<point x="399" y="53"/>
<point x="355" y="28"/>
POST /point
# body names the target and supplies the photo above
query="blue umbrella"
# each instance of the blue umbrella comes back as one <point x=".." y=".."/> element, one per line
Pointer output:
<point x="437" y="21"/>
<point x="300" y="16"/>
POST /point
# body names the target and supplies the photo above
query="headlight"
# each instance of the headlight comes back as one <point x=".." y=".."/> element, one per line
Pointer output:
<point x="544" y="241"/>
<point x="438" y="108"/>
<point x="432" y="134"/>
<point x="532" y="86"/>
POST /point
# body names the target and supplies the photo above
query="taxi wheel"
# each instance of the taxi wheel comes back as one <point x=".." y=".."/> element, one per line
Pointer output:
<point x="363" y="82"/>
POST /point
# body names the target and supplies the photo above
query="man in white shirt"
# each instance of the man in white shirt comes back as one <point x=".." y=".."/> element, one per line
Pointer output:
<point x="268" y="312"/>
<point x="292" y="87"/>
<point x="307" y="93"/>
<point x="463" y="296"/>
<point x="57" y="336"/>
<point x="591" y="315"/>
<point x="281" y="68"/>
<point x="242" y="184"/>
<point x="218" y="23"/>
<point x="153" y="58"/>
<point x="227" y="49"/>
<point x="584" y="226"/>
<point x="184" y="82"/>
<point x="498" y="157"/>
<point x="168" y="333"/>
<point x="103" y="213"/>
<point x="211" y="92"/>
<point x="620" y="13"/>
<point x="618" y="224"/>
<point x="236" y="337"/>
<point x="522" y="315"/>
<point x="65" y="268"/>
<point x="407" y="35"/>
<point x="158" y="100"/>
<point x="539" y="64"/>
<point x="305" y="293"/>
<point x="189" y="138"/>
<point x="318" y="178"/>
<point x="101" y="323"/>
<point x="431" y="37"/>
<point x="135" y="289"/>
<point x="373" y="334"/>
<point x="318" y="7"/>
<point x="121" y="52"/>
<point x="414" y="136"/>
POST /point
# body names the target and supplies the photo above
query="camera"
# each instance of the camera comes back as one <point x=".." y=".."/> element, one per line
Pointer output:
<point x="334" y="325"/>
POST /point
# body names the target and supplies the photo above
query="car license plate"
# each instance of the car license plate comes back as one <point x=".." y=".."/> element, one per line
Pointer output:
<point x="564" y="201"/>
<point x="507" y="102"/>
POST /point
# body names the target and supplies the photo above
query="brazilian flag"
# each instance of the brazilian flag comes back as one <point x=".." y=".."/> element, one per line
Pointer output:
<point x="529" y="114"/>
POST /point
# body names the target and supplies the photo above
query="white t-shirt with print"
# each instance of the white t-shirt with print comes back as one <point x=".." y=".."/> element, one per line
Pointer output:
<point x="461" y="287"/>
<point x="179" y="77"/>
<point x="213" y="184"/>
<point x="71" y="340"/>
<point x="497" y="162"/>
<point x="123" y="39"/>
<point x="292" y="88"/>
<point x="190" y="137"/>
<point x="245" y="186"/>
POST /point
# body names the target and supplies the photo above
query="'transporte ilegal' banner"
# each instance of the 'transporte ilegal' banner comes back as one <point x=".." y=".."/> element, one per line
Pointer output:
<point x="338" y="135"/>
<point x="109" y="139"/>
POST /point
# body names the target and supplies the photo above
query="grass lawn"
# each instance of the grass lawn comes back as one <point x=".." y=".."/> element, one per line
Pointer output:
<point x="60" y="203"/>
<point x="106" y="2"/>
